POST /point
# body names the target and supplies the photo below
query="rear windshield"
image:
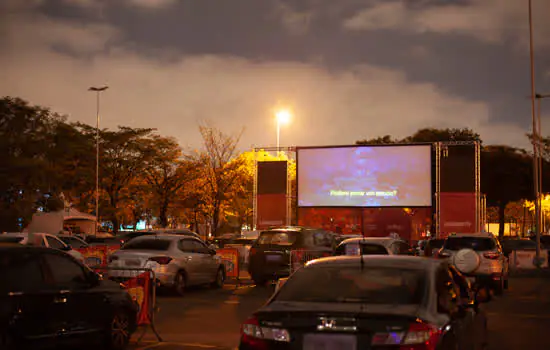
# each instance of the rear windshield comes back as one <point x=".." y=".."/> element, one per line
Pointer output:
<point x="475" y="243"/>
<point x="366" y="249"/>
<point x="346" y="284"/>
<point x="277" y="238"/>
<point x="147" y="244"/>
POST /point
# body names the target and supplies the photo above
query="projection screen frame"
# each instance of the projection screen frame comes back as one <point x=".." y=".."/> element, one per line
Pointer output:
<point x="432" y="185"/>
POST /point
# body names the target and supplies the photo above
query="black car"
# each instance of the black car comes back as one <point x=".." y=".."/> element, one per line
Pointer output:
<point x="48" y="299"/>
<point x="270" y="255"/>
<point x="370" y="302"/>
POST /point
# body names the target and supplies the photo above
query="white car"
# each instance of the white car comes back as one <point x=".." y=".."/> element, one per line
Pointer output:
<point x="479" y="257"/>
<point x="45" y="240"/>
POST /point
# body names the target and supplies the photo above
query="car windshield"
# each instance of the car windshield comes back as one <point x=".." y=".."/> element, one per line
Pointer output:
<point x="346" y="284"/>
<point x="366" y="249"/>
<point x="147" y="244"/>
<point x="475" y="243"/>
<point x="277" y="238"/>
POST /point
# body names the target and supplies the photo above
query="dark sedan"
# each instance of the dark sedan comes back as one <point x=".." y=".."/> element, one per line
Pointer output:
<point x="48" y="299"/>
<point x="369" y="302"/>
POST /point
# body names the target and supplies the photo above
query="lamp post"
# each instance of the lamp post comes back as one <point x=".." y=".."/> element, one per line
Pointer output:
<point x="282" y="117"/>
<point x="98" y="91"/>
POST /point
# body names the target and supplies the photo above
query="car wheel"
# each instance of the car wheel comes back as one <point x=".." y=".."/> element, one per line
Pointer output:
<point x="220" y="279"/>
<point x="180" y="283"/>
<point x="119" y="331"/>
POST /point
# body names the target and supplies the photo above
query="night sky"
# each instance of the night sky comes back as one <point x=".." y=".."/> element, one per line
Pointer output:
<point x="348" y="69"/>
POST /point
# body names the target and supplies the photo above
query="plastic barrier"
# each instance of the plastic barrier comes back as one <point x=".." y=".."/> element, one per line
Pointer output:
<point x="230" y="258"/>
<point x="525" y="259"/>
<point x="97" y="255"/>
<point x="299" y="257"/>
<point x="142" y="289"/>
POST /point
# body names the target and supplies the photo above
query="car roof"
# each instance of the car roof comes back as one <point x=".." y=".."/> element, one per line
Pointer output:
<point x="371" y="240"/>
<point x="476" y="234"/>
<point x="164" y="236"/>
<point x="398" y="261"/>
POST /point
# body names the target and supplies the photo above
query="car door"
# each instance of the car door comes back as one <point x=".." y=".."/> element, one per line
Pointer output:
<point x="208" y="262"/>
<point x="25" y="300"/>
<point x="190" y="261"/>
<point x="84" y="307"/>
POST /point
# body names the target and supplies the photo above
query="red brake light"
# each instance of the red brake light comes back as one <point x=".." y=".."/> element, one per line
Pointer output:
<point x="254" y="336"/>
<point x="492" y="255"/>
<point x="419" y="336"/>
<point x="163" y="260"/>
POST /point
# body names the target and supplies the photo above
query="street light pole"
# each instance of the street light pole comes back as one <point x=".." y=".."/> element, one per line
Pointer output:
<point x="536" y="140"/>
<point x="98" y="92"/>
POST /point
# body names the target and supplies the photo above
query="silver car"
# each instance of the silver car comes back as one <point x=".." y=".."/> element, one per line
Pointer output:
<point x="178" y="261"/>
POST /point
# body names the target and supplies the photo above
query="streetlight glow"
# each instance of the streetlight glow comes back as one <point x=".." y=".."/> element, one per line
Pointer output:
<point x="283" y="116"/>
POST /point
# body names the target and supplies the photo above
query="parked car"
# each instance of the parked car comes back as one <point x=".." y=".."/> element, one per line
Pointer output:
<point x="46" y="240"/>
<point x="270" y="255"/>
<point x="178" y="261"/>
<point x="479" y="256"/>
<point x="49" y="300"/>
<point x="104" y="239"/>
<point x="73" y="241"/>
<point x="370" y="302"/>
<point x="374" y="246"/>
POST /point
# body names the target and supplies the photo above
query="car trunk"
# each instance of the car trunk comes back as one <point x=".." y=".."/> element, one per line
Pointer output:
<point x="346" y="324"/>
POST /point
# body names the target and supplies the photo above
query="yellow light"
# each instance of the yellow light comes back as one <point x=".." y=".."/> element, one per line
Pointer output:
<point x="283" y="116"/>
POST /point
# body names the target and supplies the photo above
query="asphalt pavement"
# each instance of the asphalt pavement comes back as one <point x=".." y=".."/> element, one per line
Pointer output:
<point x="210" y="319"/>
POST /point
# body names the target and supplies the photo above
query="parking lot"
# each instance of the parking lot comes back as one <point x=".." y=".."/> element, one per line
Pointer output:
<point x="210" y="319"/>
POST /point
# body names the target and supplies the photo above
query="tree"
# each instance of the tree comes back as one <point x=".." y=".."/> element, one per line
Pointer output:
<point x="217" y="169"/>
<point x="166" y="173"/>
<point x="427" y="135"/>
<point x="506" y="176"/>
<point x="122" y="158"/>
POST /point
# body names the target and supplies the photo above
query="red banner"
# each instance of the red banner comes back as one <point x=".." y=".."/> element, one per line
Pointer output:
<point x="230" y="259"/>
<point x="339" y="220"/>
<point x="457" y="213"/>
<point x="139" y="289"/>
<point x="97" y="255"/>
<point x="271" y="209"/>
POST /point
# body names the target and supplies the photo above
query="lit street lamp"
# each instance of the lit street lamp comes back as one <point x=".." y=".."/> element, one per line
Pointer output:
<point x="98" y="91"/>
<point x="283" y="117"/>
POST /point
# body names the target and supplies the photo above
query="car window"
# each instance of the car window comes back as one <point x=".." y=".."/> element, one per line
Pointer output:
<point x="76" y="243"/>
<point x="347" y="284"/>
<point x="147" y="244"/>
<point x="186" y="245"/>
<point x="65" y="272"/>
<point x="14" y="266"/>
<point x="352" y="248"/>
<point x="55" y="243"/>
<point x="277" y="238"/>
<point x="475" y="243"/>
<point x="200" y="248"/>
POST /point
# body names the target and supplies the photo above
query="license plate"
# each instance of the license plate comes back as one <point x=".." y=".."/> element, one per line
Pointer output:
<point x="134" y="262"/>
<point x="273" y="258"/>
<point x="330" y="342"/>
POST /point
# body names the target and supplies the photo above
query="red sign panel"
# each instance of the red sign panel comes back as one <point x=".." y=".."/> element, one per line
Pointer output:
<point x="339" y="220"/>
<point x="271" y="210"/>
<point x="457" y="213"/>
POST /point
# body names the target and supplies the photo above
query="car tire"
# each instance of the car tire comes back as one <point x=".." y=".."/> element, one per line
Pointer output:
<point x="180" y="283"/>
<point x="220" y="279"/>
<point x="119" y="332"/>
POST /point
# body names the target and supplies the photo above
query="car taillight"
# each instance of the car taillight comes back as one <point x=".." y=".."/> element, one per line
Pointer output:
<point x="492" y="255"/>
<point x="112" y="258"/>
<point x="419" y="336"/>
<point x="254" y="336"/>
<point x="163" y="260"/>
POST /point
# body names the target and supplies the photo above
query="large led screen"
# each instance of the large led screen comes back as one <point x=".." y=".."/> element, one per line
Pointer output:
<point x="365" y="176"/>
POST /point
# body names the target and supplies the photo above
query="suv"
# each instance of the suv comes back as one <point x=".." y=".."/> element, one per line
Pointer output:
<point x="479" y="256"/>
<point x="271" y="254"/>
<point x="48" y="300"/>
